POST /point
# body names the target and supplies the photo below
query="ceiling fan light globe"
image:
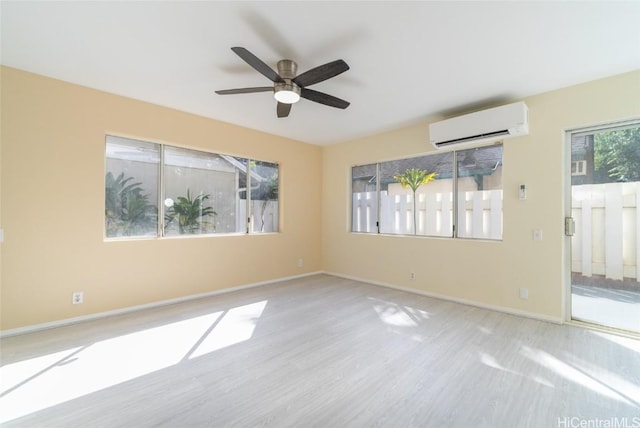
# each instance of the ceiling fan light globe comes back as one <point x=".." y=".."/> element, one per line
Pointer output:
<point x="287" y="93"/>
<point x="287" y="97"/>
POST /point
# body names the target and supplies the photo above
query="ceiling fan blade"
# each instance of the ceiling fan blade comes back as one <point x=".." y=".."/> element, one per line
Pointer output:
<point x="245" y="90"/>
<point x="321" y="73"/>
<point x="257" y="63"/>
<point x="322" y="98"/>
<point x="283" y="109"/>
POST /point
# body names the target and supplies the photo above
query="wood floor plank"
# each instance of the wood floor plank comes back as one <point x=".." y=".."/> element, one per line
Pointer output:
<point x="317" y="352"/>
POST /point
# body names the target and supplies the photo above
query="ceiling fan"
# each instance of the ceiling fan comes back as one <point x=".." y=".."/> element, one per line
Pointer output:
<point x="287" y="87"/>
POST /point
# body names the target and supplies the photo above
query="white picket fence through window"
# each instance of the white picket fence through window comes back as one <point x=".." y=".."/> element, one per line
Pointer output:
<point x="607" y="235"/>
<point x="479" y="213"/>
<point x="606" y="240"/>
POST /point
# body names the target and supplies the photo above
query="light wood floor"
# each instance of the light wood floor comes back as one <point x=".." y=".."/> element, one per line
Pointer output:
<point x="318" y="352"/>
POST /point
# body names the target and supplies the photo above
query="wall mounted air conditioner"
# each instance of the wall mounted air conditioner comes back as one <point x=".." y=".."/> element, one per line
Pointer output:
<point x="484" y="126"/>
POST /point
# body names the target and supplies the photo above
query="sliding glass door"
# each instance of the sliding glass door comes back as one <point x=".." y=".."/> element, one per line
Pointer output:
<point x="605" y="246"/>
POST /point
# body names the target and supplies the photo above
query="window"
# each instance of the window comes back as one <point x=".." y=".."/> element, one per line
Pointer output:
<point x="415" y="196"/>
<point x="479" y="190"/>
<point x="579" y="167"/>
<point x="131" y="188"/>
<point x="364" y="191"/>
<point x="197" y="189"/>
<point x="263" y="180"/>
<point x="156" y="190"/>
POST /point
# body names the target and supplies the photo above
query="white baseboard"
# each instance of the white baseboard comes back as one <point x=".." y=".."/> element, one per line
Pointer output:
<point x="67" y="321"/>
<point x="496" y="308"/>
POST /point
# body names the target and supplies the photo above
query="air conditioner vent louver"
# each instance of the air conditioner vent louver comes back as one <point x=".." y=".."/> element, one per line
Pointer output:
<point x="474" y="138"/>
<point x="484" y="126"/>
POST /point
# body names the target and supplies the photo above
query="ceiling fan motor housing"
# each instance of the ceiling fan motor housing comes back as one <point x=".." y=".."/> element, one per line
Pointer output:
<point x="287" y="69"/>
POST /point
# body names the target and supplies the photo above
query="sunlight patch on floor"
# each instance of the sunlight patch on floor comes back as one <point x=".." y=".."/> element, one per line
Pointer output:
<point x="398" y="315"/>
<point x="629" y="343"/>
<point x="490" y="361"/>
<point x="236" y="326"/>
<point x="394" y="316"/>
<point x="12" y="375"/>
<point x="573" y="374"/>
<point x="38" y="383"/>
<point x="607" y="377"/>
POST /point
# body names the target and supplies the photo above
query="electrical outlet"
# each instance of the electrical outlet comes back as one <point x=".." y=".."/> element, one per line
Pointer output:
<point x="77" y="297"/>
<point x="537" y="234"/>
<point x="300" y="262"/>
<point x="524" y="293"/>
<point x="412" y="276"/>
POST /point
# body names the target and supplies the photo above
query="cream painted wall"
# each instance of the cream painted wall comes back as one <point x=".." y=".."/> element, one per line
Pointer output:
<point x="52" y="206"/>
<point x="489" y="273"/>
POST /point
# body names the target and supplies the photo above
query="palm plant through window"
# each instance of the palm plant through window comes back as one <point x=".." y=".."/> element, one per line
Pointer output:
<point x="413" y="178"/>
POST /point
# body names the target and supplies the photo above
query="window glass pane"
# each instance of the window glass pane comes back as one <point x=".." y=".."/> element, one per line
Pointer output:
<point x="232" y="210"/>
<point x="480" y="192"/>
<point x="230" y="199"/>
<point x="131" y="188"/>
<point x="200" y="191"/>
<point x="606" y="156"/>
<point x="416" y="195"/>
<point x="364" y="197"/>
<point x="264" y="196"/>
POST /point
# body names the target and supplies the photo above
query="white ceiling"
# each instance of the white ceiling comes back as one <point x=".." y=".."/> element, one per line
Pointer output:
<point x="409" y="60"/>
